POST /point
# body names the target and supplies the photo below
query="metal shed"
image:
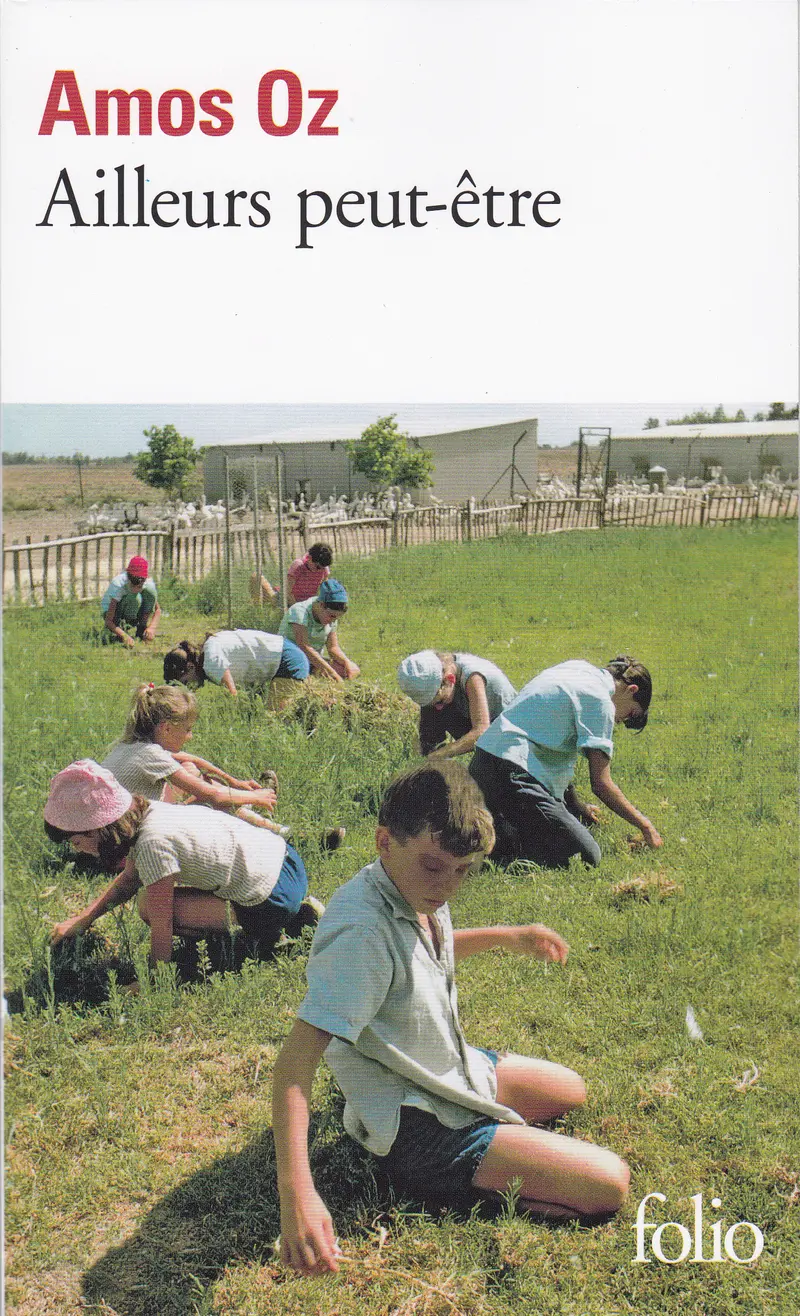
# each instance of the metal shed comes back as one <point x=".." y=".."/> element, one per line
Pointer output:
<point x="743" y="450"/>
<point x="494" y="461"/>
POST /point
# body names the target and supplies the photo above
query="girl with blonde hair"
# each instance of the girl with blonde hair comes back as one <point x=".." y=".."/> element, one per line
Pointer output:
<point x="149" y="759"/>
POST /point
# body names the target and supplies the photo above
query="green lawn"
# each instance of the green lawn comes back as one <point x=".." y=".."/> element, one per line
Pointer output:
<point x="139" y="1156"/>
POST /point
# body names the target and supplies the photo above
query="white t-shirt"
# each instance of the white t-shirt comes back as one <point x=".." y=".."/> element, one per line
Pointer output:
<point x="209" y="850"/>
<point x="141" y="767"/>
<point x="120" y="588"/>
<point x="252" y="657"/>
<point x="499" y="690"/>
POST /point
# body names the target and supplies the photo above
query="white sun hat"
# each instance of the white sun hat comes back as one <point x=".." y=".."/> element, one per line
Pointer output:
<point x="420" y="675"/>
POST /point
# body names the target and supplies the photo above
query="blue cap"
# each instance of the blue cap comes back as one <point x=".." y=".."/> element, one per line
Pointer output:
<point x="332" y="591"/>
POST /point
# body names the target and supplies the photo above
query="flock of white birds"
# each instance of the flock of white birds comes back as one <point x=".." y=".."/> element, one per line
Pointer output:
<point x="116" y="517"/>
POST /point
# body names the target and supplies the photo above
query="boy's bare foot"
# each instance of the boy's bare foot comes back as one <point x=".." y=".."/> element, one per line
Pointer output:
<point x="333" y="838"/>
<point x="308" y="916"/>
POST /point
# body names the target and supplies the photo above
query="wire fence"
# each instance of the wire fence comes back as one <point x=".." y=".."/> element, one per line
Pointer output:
<point x="79" y="568"/>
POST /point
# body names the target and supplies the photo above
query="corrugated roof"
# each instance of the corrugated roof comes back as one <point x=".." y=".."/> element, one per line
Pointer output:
<point x="341" y="433"/>
<point x="331" y="435"/>
<point x="746" y="429"/>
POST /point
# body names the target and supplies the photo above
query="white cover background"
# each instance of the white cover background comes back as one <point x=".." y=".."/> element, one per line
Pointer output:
<point x="667" y="127"/>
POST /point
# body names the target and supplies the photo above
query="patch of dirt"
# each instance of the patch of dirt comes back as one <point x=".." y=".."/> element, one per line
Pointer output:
<point x="57" y="525"/>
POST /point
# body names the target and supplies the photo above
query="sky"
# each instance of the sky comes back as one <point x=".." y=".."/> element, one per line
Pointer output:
<point x="49" y="430"/>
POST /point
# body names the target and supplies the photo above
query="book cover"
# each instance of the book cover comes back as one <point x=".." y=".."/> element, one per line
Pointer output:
<point x="276" y="220"/>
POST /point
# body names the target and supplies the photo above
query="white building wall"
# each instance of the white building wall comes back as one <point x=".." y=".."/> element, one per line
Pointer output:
<point x="467" y="463"/>
<point x="740" y="458"/>
<point x="477" y="463"/>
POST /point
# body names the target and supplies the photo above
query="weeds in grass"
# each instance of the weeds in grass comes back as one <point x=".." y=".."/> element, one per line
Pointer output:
<point x="645" y="886"/>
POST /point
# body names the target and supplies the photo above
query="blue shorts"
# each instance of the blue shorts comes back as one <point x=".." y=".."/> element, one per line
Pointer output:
<point x="265" y="922"/>
<point x="430" y="1163"/>
<point x="294" y="665"/>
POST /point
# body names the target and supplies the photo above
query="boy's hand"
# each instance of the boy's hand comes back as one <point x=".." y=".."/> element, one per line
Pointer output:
<point x="651" y="836"/>
<point x="71" y="927"/>
<point x="308" y="1243"/>
<point x="536" y="939"/>
<point x="264" y="798"/>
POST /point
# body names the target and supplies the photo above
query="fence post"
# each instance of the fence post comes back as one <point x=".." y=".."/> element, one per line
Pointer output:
<point x="45" y="564"/>
<point x="228" y="557"/>
<point x="17" y="583"/>
<point x="30" y="571"/>
<point x="703" y="509"/>
<point x="59" y="572"/>
<point x="282" y="563"/>
<point x="470" y="515"/>
<point x="256" y="531"/>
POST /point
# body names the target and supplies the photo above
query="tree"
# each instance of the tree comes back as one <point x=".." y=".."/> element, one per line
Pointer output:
<point x="777" y="411"/>
<point x="169" y="461"/>
<point x="651" y="423"/>
<point x="715" y="417"/>
<point x="387" y="456"/>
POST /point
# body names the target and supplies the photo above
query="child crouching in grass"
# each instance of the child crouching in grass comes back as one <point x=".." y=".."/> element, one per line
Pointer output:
<point x="449" y="1121"/>
<point x="186" y="862"/>
<point x="150" y="760"/>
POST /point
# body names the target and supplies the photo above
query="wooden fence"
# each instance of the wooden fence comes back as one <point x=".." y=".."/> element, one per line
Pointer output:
<point x="81" y="567"/>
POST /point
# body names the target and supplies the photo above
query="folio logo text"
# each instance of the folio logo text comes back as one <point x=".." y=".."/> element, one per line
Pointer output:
<point x="671" y="1241"/>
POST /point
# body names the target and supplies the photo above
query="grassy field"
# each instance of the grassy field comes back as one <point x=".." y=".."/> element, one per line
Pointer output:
<point x="44" y="498"/>
<point x="55" y="486"/>
<point x="139" y="1155"/>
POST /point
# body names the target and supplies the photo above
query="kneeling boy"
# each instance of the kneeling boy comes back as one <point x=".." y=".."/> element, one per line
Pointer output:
<point x="445" y="1117"/>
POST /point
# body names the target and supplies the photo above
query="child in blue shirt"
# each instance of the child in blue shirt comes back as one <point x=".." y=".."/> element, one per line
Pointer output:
<point x="312" y="626"/>
<point x="524" y="763"/>
<point x="445" y="1117"/>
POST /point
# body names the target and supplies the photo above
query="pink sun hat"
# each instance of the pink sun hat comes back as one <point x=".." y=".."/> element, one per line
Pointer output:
<point x="85" y="796"/>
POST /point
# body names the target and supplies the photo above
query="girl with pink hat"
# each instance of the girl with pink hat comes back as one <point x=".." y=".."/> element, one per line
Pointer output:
<point x="188" y="864"/>
<point x="132" y="600"/>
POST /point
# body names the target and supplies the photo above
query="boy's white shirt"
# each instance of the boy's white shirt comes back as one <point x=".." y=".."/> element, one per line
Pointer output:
<point x="377" y="984"/>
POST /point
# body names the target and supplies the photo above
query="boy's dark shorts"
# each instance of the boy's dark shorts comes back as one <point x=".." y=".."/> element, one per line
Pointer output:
<point x="430" y="1163"/>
